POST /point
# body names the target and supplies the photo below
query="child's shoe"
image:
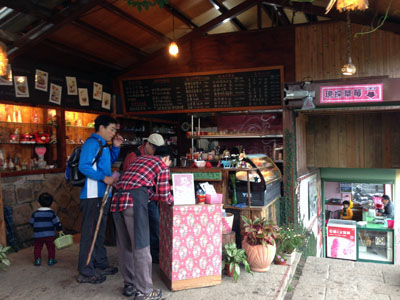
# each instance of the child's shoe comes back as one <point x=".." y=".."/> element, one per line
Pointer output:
<point x="51" y="262"/>
<point x="37" y="262"/>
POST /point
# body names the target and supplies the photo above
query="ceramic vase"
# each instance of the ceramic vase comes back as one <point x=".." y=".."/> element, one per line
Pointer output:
<point x="259" y="257"/>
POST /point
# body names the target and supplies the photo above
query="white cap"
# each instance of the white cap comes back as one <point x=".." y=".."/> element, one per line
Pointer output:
<point x="156" y="139"/>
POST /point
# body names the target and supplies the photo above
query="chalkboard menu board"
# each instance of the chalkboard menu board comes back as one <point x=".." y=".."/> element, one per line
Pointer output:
<point x="250" y="88"/>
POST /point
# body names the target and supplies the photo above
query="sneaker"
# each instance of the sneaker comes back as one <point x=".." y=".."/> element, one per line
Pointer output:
<point x="51" y="262"/>
<point x="97" y="278"/>
<point x="129" y="290"/>
<point x="107" y="271"/>
<point x="37" y="262"/>
<point x="154" y="295"/>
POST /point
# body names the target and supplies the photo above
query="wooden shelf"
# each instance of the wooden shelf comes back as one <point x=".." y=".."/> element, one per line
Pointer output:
<point x="27" y="124"/>
<point x="236" y="136"/>
<point x="27" y="144"/>
<point x="80" y="127"/>
<point x="31" y="172"/>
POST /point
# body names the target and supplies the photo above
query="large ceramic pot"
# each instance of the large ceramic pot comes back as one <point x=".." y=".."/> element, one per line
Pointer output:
<point x="259" y="257"/>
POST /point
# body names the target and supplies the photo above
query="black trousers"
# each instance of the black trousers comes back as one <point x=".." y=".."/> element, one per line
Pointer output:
<point x="90" y="209"/>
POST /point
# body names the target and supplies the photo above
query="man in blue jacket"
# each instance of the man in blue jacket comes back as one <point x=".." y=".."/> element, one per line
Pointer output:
<point x="98" y="176"/>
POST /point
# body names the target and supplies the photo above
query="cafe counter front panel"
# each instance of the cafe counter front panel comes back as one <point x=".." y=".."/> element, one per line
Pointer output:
<point x="190" y="245"/>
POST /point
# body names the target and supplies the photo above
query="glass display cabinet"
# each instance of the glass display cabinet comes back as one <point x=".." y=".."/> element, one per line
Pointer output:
<point x="28" y="139"/>
<point x="258" y="182"/>
<point x="375" y="245"/>
<point x="78" y="127"/>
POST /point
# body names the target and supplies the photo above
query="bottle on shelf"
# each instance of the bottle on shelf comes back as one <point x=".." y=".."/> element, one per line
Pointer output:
<point x="11" y="165"/>
<point x="35" y="118"/>
<point x="1" y="159"/>
<point x="19" y="119"/>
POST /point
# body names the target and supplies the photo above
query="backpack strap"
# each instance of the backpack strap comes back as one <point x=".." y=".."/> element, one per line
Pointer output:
<point x="100" y="151"/>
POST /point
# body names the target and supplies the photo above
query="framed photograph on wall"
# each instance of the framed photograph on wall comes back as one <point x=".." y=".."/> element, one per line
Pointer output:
<point x="97" y="91"/>
<point x="8" y="78"/>
<point x="55" y="94"/>
<point x="21" y="86"/>
<point x="72" y="87"/>
<point x="106" y="102"/>
<point x="41" y="80"/>
<point x="83" y="97"/>
<point x="183" y="188"/>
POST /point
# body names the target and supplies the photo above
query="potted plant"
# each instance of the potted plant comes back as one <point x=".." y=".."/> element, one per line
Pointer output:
<point x="259" y="243"/>
<point x="4" y="261"/>
<point x="232" y="257"/>
<point x="279" y="259"/>
<point x="288" y="241"/>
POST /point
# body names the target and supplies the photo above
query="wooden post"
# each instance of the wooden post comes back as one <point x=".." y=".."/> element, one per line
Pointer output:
<point x="3" y="240"/>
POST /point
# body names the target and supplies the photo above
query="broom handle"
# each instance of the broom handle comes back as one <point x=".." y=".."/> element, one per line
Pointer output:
<point x="98" y="223"/>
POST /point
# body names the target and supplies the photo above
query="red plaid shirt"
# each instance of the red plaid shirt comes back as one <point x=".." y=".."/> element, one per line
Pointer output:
<point x="145" y="171"/>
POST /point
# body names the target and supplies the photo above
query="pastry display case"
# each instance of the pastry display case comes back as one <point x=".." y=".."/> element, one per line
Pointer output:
<point x="258" y="181"/>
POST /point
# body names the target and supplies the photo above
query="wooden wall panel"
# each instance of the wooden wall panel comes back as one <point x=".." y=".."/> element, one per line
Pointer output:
<point x="321" y="52"/>
<point x="352" y="140"/>
<point x="269" y="47"/>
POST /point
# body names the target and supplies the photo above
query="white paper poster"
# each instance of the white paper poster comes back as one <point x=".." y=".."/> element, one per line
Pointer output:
<point x="183" y="188"/>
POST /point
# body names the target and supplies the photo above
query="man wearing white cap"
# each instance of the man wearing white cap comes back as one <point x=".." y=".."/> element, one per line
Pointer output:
<point x="154" y="141"/>
<point x="148" y="148"/>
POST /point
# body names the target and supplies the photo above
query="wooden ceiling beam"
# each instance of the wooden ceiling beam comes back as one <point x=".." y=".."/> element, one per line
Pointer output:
<point x="259" y="15"/>
<point x="27" y="7"/>
<point x="276" y="14"/>
<point x="233" y="12"/>
<point x="361" y="18"/>
<point x="109" y="38"/>
<point x="80" y="54"/>
<point x="222" y="8"/>
<point x="178" y="14"/>
<point x="238" y="9"/>
<point x="75" y="11"/>
<point x="127" y="17"/>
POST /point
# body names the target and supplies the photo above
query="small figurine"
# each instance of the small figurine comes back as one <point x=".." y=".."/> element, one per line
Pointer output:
<point x="11" y="164"/>
<point x="53" y="139"/>
<point x="35" y="118"/>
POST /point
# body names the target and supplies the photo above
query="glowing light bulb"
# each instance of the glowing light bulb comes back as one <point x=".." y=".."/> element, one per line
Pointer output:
<point x="173" y="49"/>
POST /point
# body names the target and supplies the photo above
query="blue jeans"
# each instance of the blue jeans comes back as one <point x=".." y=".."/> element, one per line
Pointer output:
<point x="154" y="222"/>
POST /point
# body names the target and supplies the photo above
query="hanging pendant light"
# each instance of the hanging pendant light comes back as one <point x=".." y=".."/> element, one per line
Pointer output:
<point x="173" y="47"/>
<point x="342" y="5"/>
<point x="348" y="69"/>
<point x="3" y="59"/>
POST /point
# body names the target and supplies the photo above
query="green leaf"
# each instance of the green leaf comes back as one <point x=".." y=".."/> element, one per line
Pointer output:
<point x="6" y="262"/>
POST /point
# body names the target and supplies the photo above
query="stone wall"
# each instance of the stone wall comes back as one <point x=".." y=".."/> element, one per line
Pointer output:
<point x="22" y="192"/>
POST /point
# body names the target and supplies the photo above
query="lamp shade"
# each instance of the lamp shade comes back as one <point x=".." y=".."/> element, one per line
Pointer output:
<point x="342" y="5"/>
<point x="3" y="59"/>
<point x="173" y="49"/>
<point x="349" y="69"/>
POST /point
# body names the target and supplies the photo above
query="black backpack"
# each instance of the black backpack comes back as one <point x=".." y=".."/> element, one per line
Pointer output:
<point x="72" y="173"/>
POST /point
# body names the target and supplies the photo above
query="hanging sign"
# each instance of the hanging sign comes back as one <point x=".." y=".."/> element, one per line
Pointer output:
<point x="351" y="93"/>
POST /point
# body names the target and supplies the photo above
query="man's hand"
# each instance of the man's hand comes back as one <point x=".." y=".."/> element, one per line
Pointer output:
<point x="117" y="141"/>
<point x="109" y="180"/>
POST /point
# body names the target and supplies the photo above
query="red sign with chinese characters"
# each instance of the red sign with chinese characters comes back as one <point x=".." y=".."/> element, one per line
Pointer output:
<point x="347" y="233"/>
<point x="351" y="93"/>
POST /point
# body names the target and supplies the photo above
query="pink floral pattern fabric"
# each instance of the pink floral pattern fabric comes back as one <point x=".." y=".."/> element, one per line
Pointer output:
<point x="190" y="240"/>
